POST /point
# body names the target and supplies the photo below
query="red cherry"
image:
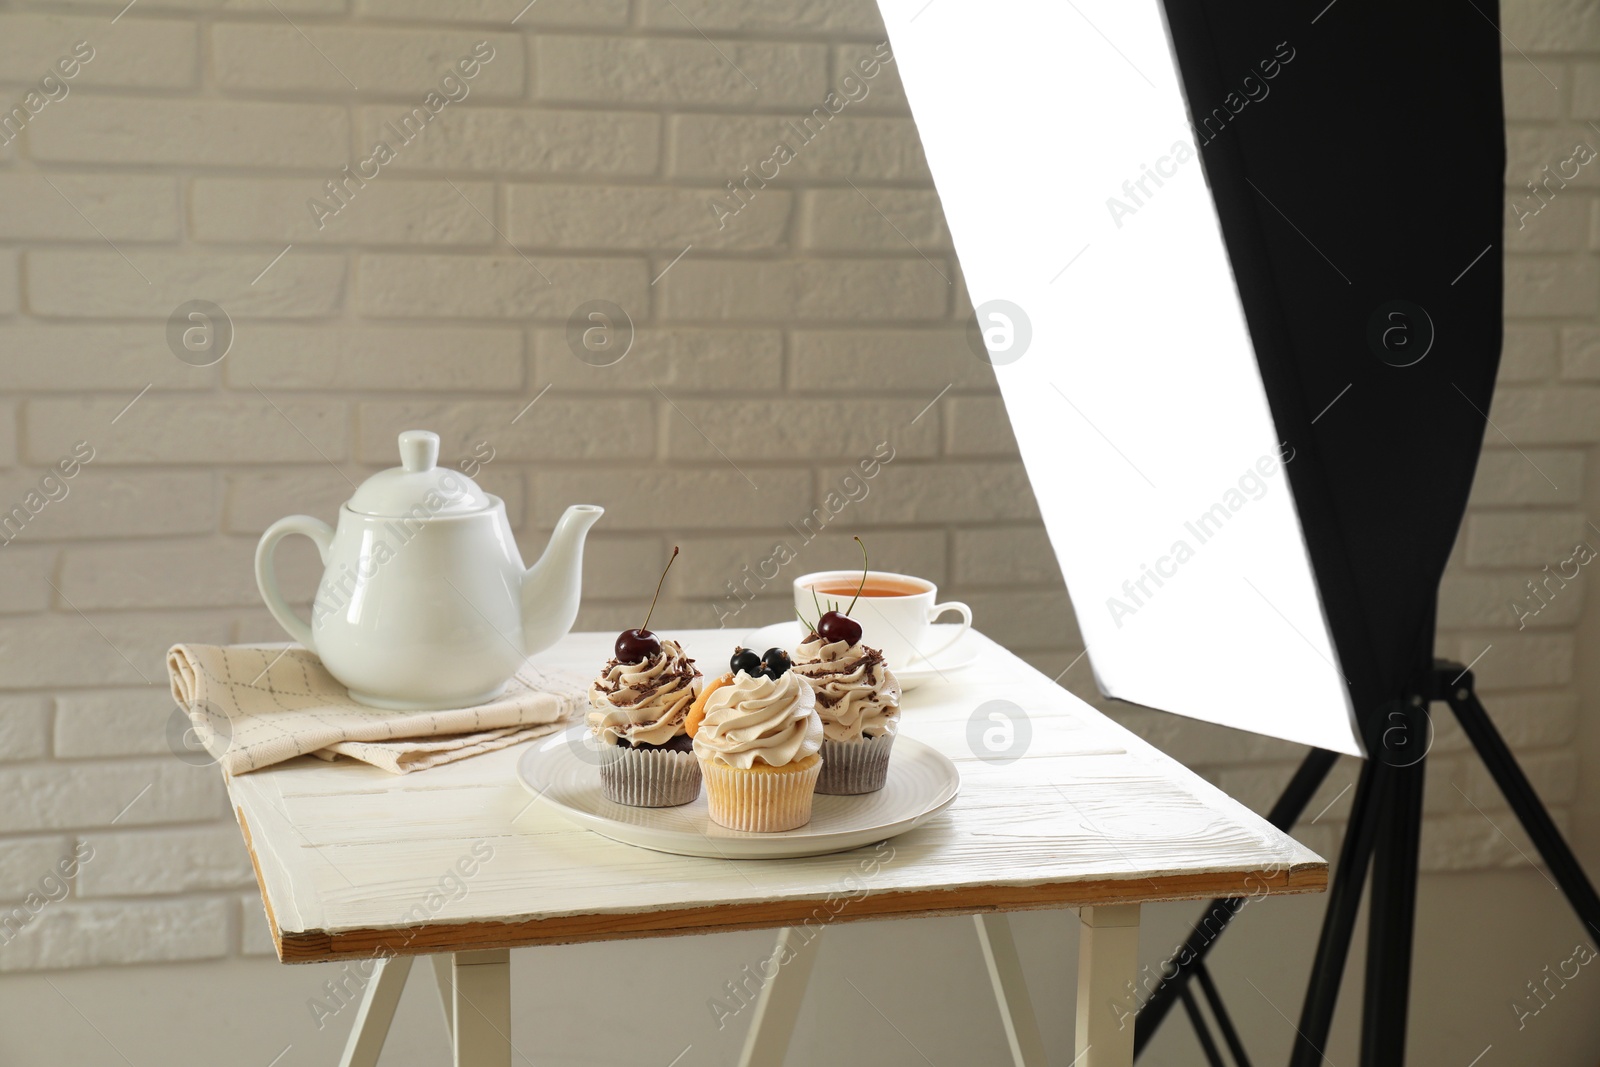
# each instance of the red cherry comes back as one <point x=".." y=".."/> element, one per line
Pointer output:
<point x="636" y="646"/>
<point x="837" y="626"/>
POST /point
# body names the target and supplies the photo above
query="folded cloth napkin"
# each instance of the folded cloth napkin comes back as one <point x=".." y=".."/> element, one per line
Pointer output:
<point x="415" y="754"/>
<point x="256" y="705"/>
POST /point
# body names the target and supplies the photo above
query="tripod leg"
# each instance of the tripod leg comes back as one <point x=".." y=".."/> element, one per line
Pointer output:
<point x="1308" y="778"/>
<point x="1391" y="917"/>
<point x="1564" y="866"/>
<point x="1224" y="1023"/>
<point x="1344" y="900"/>
<point x="1201" y="1031"/>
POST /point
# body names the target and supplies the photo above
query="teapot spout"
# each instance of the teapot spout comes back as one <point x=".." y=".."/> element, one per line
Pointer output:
<point x="551" y="587"/>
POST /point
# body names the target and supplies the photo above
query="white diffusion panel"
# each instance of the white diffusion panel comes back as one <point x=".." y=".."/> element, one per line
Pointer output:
<point x="1057" y="138"/>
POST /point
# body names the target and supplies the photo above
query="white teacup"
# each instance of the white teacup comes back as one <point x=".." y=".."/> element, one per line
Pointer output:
<point x="895" y="611"/>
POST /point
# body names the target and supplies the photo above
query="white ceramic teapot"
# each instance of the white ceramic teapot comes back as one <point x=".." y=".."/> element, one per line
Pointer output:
<point x="425" y="603"/>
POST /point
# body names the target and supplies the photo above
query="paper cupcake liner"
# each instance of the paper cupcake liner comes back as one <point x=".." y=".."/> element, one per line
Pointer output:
<point x="762" y="801"/>
<point x="649" y="778"/>
<point x="852" y="767"/>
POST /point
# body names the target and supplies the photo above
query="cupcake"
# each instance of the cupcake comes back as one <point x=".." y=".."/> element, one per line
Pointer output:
<point x="858" y="700"/>
<point x="757" y="737"/>
<point x="640" y="704"/>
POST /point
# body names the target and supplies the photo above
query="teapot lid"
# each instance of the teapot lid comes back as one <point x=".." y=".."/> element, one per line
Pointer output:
<point x="419" y="488"/>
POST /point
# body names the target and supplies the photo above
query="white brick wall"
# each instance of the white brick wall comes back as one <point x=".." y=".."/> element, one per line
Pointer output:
<point x="791" y="337"/>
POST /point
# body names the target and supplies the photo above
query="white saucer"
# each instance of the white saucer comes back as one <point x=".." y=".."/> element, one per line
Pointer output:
<point x="958" y="657"/>
<point x="561" y="771"/>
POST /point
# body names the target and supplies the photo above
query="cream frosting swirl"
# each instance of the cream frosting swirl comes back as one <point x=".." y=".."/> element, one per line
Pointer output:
<point x="643" y="703"/>
<point x="773" y="720"/>
<point x="857" y="694"/>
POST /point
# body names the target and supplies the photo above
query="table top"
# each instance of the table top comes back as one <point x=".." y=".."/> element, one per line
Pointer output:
<point x="354" y="862"/>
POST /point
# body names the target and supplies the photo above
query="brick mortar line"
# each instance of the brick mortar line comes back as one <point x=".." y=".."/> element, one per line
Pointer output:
<point x="339" y="95"/>
<point x="288" y="171"/>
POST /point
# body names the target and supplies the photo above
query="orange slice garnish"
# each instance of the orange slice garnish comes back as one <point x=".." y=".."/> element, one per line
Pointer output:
<point x="697" y="711"/>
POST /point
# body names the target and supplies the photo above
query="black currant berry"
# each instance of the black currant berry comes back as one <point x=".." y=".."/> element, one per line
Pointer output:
<point x="746" y="661"/>
<point x="775" y="663"/>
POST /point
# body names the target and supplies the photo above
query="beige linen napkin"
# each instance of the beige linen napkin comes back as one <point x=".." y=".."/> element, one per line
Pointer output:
<point x="256" y="705"/>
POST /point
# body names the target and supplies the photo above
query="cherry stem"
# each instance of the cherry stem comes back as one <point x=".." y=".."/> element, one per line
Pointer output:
<point x="663" y="579"/>
<point x="816" y="603"/>
<point x="802" y="618"/>
<point x="863" y="584"/>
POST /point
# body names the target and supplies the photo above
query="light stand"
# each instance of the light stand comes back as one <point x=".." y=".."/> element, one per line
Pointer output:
<point x="1385" y="829"/>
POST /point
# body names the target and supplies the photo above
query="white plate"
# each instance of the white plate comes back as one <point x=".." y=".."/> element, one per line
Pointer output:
<point x="958" y="657"/>
<point x="560" y="771"/>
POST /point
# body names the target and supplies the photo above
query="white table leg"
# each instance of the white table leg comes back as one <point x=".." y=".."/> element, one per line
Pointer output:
<point x="482" y="1006"/>
<point x="442" y="966"/>
<point x="1010" y="989"/>
<point x="382" y="994"/>
<point x="1108" y="964"/>
<point x="778" y="1006"/>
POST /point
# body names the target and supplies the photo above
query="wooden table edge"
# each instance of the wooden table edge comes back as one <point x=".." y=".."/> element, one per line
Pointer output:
<point x="320" y="946"/>
<point x="261" y="879"/>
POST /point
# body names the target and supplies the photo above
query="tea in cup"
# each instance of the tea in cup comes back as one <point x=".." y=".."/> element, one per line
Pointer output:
<point x="896" y="611"/>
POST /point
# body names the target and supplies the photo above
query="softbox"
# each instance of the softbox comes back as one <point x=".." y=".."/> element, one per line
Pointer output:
<point x="1237" y="267"/>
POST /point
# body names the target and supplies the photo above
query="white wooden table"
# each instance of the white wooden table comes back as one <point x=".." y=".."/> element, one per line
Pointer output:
<point x="355" y="863"/>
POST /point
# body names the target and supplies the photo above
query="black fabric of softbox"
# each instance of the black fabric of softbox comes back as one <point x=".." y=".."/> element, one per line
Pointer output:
<point x="1369" y="170"/>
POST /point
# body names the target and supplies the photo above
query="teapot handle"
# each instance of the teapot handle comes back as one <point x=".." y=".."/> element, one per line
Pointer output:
<point x="321" y="535"/>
